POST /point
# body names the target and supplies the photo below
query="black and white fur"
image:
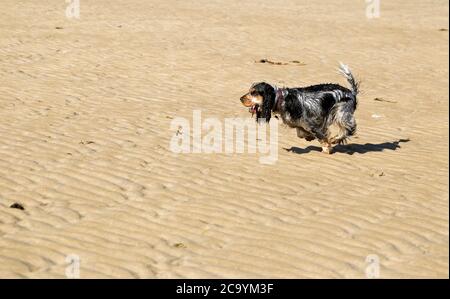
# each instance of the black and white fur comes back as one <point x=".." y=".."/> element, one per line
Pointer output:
<point x="311" y="110"/>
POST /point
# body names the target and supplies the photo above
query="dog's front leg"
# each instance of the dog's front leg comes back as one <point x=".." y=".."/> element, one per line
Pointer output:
<point x="302" y="133"/>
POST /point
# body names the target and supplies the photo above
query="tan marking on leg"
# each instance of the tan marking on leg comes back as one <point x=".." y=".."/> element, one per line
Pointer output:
<point x="327" y="148"/>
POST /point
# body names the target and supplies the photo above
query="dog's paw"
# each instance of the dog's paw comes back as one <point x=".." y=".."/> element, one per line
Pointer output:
<point x="326" y="150"/>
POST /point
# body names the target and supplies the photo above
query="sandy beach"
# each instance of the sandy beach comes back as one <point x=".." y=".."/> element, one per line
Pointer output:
<point x="86" y="106"/>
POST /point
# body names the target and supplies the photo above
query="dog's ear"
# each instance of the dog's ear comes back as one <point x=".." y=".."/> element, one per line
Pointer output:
<point x="268" y="102"/>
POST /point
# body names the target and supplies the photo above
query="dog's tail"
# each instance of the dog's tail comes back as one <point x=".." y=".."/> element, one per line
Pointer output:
<point x="345" y="70"/>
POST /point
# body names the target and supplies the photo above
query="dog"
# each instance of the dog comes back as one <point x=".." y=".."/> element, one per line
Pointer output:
<point x="310" y="110"/>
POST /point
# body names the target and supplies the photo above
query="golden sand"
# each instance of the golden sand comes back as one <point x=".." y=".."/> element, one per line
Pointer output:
<point x="85" y="112"/>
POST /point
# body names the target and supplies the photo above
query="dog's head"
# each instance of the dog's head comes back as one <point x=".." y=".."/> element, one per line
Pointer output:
<point x="260" y="100"/>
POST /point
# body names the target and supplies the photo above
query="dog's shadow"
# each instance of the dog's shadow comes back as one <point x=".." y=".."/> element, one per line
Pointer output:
<point x="350" y="149"/>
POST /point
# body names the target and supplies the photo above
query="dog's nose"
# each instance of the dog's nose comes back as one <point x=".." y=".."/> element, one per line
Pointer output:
<point x="242" y="99"/>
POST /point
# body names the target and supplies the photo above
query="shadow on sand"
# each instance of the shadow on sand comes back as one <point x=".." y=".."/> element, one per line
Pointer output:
<point x="350" y="149"/>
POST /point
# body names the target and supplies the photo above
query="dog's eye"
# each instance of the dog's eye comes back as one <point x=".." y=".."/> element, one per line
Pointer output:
<point x="253" y="93"/>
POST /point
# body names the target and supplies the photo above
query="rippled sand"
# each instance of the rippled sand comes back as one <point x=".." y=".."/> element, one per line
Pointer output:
<point x="85" y="113"/>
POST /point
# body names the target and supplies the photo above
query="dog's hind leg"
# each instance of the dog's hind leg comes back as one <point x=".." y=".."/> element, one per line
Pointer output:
<point x="346" y="127"/>
<point x="323" y="137"/>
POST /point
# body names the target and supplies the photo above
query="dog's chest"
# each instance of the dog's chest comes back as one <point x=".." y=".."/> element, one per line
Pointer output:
<point x="289" y="121"/>
<point x="295" y="123"/>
